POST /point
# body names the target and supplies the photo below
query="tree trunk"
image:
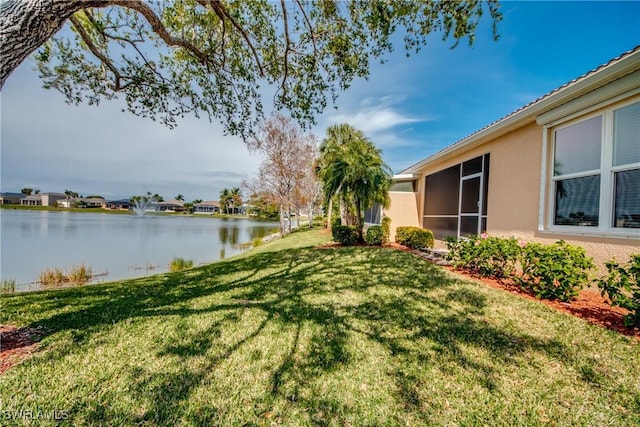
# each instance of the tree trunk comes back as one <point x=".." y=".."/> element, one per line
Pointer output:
<point x="282" y="229"/>
<point x="25" y="25"/>
<point x="329" y="212"/>
<point x="360" y="221"/>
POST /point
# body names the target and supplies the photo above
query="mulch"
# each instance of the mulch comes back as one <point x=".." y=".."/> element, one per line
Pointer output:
<point x="16" y="344"/>
<point x="588" y="305"/>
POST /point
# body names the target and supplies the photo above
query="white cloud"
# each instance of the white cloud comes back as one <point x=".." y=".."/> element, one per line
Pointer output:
<point x="372" y="121"/>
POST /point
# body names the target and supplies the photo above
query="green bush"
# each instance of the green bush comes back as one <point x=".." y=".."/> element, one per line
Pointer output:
<point x="347" y="235"/>
<point x="420" y="238"/>
<point x="484" y="255"/>
<point x="414" y="237"/>
<point x="555" y="271"/>
<point x="386" y="229"/>
<point x="374" y="235"/>
<point x="336" y="221"/>
<point x="403" y="233"/>
<point x="622" y="286"/>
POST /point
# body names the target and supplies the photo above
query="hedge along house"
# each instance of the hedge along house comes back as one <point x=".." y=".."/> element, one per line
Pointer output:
<point x="563" y="167"/>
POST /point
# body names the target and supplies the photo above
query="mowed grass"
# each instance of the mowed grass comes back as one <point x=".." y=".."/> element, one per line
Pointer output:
<point x="295" y="334"/>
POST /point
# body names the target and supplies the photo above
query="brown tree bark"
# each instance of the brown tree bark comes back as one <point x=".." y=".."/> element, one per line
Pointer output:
<point x="25" y="25"/>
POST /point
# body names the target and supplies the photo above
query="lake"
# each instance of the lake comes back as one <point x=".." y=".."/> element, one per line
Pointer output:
<point x="115" y="246"/>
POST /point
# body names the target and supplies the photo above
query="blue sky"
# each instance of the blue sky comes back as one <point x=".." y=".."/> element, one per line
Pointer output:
<point x="409" y="107"/>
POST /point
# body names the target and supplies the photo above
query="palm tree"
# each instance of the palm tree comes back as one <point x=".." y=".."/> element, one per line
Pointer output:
<point x="332" y="150"/>
<point x="225" y="199"/>
<point x="180" y="197"/>
<point x="235" y="199"/>
<point x="351" y="167"/>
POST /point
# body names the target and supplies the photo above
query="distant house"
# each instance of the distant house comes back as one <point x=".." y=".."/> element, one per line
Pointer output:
<point x="210" y="207"/>
<point x="82" y="202"/>
<point x="91" y="202"/>
<point x="11" y="198"/>
<point x="31" y="200"/>
<point x="169" y="206"/>
<point x="51" y="199"/>
<point x="563" y="167"/>
<point x="122" y="204"/>
<point x="67" y="203"/>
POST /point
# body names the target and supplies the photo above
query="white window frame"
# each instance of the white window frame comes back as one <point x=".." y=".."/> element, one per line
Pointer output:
<point x="606" y="172"/>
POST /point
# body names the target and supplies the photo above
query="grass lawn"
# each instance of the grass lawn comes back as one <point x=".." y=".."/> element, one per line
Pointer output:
<point x="292" y="334"/>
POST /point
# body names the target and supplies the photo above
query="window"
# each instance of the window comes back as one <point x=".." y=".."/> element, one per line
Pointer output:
<point x="596" y="172"/>
<point x="373" y="215"/>
<point x="404" y="186"/>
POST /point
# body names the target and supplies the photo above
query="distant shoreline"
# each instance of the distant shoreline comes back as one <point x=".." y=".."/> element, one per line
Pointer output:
<point x="128" y="212"/>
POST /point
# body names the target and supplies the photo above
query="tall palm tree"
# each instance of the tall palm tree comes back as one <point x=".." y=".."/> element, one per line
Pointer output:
<point x="332" y="151"/>
<point x="351" y="167"/>
<point x="235" y="198"/>
<point x="225" y="199"/>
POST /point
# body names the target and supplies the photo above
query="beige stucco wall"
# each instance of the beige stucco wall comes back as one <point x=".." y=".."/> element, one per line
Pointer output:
<point x="403" y="211"/>
<point x="515" y="175"/>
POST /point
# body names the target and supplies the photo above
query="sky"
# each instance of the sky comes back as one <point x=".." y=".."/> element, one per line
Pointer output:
<point x="409" y="107"/>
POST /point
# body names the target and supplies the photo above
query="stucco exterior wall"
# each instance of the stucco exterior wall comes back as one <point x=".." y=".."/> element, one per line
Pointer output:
<point x="403" y="211"/>
<point x="513" y="208"/>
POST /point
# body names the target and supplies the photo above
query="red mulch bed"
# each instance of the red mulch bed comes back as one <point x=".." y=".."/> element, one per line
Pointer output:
<point x="588" y="305"/>
<point x="16" y="344"/>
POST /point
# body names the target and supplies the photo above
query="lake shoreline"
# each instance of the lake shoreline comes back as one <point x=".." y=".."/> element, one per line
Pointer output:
<point x="130" y="212"/>
<point x="116" y="247"/>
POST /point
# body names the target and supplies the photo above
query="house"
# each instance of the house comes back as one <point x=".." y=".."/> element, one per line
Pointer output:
<point x="31" y="200"/>
<point x="169" y="206"/>
<point x="11" y="198"/>
<point x="51" y="199"/>
<point x="122" y="204"/>
<point x="209" y="207"/>
<point x="563" y="167"/>
<point x="90" y="202"/>
<point x="82" y="202"/>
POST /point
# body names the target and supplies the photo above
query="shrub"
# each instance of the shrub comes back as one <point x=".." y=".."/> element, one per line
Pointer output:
<point x="336" y="221"/>
<point x="80" y="274"/>
<point x="178" y="264"/>
<point x="622" y="286"/>
<point x="484" y="255"/>
<point x="386" y="229"/>
<point x="403" y="233"/>
<point x="555" y="271"/>
<point x="374" y="235"/>
<point x="420" y="238"/>
<point x="257" y="242"/>
<point x="414" y="237"/>
<point x="346" y="235"/>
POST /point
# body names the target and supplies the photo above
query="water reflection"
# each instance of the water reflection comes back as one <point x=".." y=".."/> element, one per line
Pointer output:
<point x="229" y="235"/>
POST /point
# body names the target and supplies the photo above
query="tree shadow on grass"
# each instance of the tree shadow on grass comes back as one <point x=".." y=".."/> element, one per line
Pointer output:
<point x="395" y="306"/>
